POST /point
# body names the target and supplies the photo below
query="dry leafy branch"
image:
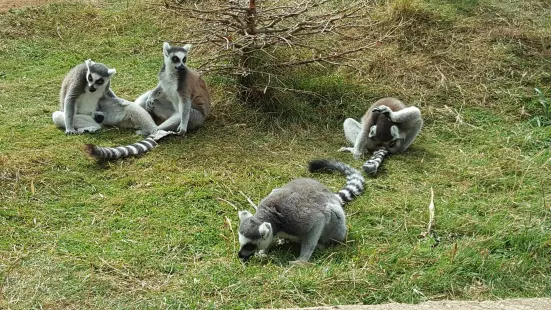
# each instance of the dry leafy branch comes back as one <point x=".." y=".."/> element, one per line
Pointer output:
<point x="256" y="41"/>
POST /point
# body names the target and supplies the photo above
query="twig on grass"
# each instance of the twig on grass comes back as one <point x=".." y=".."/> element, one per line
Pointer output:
<point x="249" y="200"/>
<point x="231" y="204"/>
<point x="430" y="231"/>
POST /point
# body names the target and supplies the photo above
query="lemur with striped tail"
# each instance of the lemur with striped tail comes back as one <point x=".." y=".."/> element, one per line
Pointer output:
<point x="180" y="102"/>
<point x="388" y="127"/>
<point x="87" y="102"/>
<point x="81" y="89"/>
<point x="303" y="210"/>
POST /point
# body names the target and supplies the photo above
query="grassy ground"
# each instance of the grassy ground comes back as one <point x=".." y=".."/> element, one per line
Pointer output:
<point x="160" y="231"/>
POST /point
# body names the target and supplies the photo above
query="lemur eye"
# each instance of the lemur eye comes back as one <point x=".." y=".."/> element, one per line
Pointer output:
<point x="99" y="81"/>
<point x="184" y="59"/>
<point x="90" y="78"/>
<point x="392" y="143"/>
<point x="175" y="59"/>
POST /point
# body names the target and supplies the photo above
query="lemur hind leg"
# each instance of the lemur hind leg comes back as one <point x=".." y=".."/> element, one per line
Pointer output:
<point x="308" y="245"/>
<point x="336" y="230"/>
<point x="139" y="117"/>
<point x="196" y="119"/>
<point x="171" y="124"/>
<point x="352" y="129"/>
<point x="82" y="123"/>
<point x="59" y="119"/>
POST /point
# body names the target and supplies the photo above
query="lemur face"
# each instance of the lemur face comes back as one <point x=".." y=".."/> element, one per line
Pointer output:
<point x="97" y="75"/>
<point x="176" y="57"/>
<point x="254" y="236"/>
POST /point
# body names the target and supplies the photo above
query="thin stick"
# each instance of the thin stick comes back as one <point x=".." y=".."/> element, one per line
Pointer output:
<point x="231" y="204"/>
<point x="249" y="200"/>
<point x="431" y="212"/>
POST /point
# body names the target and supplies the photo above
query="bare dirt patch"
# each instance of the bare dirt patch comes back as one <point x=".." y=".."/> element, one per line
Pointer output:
<point x="5" y="5"/>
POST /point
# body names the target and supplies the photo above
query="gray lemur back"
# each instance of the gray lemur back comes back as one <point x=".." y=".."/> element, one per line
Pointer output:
<point x="303" y="210"/>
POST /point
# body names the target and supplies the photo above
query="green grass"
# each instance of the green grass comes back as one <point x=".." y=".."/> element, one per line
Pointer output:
<point x="152" y="232"/>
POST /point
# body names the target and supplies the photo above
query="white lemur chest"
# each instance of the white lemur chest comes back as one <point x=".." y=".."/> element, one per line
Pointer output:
<point x="87" y="103"/>
<point x="170" y="87"/>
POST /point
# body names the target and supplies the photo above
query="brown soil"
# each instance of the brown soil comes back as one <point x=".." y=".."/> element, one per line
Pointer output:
<point x="5" y="5"/>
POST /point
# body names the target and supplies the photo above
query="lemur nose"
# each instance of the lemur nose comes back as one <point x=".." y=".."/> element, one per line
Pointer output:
<point x="244" y="258"/>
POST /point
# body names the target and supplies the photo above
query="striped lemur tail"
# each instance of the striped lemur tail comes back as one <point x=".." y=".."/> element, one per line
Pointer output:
<point x="354" y="179"/>
<point x="138" y="148"/>
<point x="375" y="161"/>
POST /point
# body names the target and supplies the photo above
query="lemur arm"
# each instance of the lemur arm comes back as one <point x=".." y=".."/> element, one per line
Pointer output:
<point x="405" y="115"/>
<point x="184" y="106"/>
<point x="70" y="109"/>
<point x="410" y="132"/>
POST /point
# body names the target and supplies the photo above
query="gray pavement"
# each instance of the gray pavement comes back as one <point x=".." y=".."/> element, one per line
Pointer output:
<point x="508" y="304"/>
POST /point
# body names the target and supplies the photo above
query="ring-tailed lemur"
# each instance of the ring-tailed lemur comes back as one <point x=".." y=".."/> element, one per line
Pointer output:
<point x="86" y="100"/>
<point x="387" y="124"/>
<point x="80" y="93"/>
<point x="138" y="148"/>
<point x="303" y="210"/>
<point x="181" y="100"/>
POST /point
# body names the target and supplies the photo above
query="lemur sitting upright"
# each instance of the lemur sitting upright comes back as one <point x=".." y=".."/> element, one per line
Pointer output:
<point x="303" y="210"/>
<point x="80" y="93"/>
<point x="181" y="100"/>
<point x="87" y="101"/>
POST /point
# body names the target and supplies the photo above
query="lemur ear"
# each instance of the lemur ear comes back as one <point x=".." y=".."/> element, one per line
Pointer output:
<point x="166" y="47"/>
<point x="372" y="131"/>
<point x="88" y="63"/>
<point x="265" y="230"/>
<point x="111" y="71"/>
<point x="187" y="47"/>
<point x="243" y="215"/>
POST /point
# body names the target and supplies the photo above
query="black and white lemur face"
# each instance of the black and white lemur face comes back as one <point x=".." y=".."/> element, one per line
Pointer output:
<point x="254" y="235"/>
<point x="176" y="56"/>
<point x="98" y="75"/>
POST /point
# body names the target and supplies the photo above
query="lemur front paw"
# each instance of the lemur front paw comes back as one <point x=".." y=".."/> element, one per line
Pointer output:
<point x="346" y="149"/>
<point x="181" y="130"/>
<point x="261" y="254"/>
<point x="357" y="155"/>
<point x="70" y="132"/>
<point x="383" y="109"/>
<point x="98" y="117"/>
<point x="150" y="103"/>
